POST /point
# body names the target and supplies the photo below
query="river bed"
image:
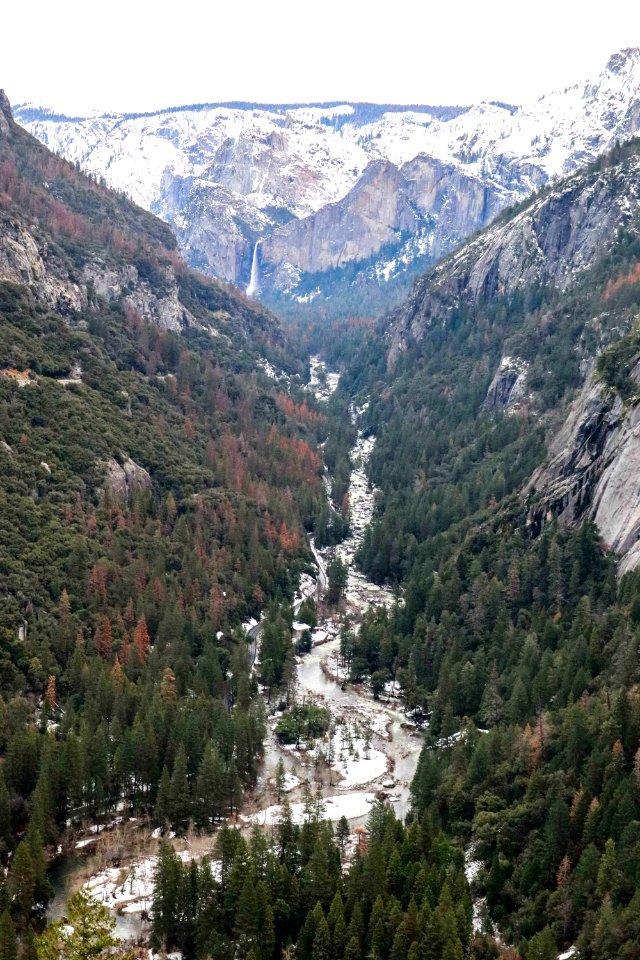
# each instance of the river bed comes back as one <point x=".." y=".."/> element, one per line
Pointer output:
<point x="374" y="749"/>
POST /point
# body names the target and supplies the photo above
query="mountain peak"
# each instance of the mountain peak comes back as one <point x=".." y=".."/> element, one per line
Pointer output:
<point x="620" y="60"/>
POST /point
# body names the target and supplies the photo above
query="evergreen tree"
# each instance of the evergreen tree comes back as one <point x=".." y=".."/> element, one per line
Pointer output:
<point x="22" y="882"/>
<point x="322" y="949"/>
<point x="179" y="794"/>
<point x="166" y="895"/>
<point x="87" y="934"/>
<point x="163" y="807"/>
<point x="8" y="939"/>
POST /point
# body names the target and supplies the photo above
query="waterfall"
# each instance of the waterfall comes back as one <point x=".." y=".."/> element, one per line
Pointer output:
<point x="254" y="280"/>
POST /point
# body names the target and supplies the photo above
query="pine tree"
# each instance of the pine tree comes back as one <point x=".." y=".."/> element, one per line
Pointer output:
<point x="86" y="934"/>
<point x="168" y="691"/>
<point x="608" y="873"/>
<point x="247" y="916"/>
<point x="210" y="787"/>
<point x="6" y="834"/>
<point x="141" y="639"/>
<point x="180" y="798"/>
<point x="542" y="946"/>
<point x="280" y="778"/>
<point x="165" y="897"/>
<point x="343" y="832"/>
<point x="8" y="939"/>
<point x="356" y="927"/>
<point x="103" y="638"/>
<point x="353" y="951"/>
<point x="22" y="881"/>
<point x="163" y="809"/>
<point x="321" y="949"/>
<point x="337" y="926"/>
<point x="52" y="702"/>
<point x="234" y="787"/>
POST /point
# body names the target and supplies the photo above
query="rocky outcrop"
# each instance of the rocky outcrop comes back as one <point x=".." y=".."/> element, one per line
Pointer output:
<point x="5" y="114"/>
<point x="374" y="213"/>
<point x="123" y="282"/>
<point x="423" y="197"/>
<point x="301" y="178"/>
<point x="23" y="262"/>
<point x="507" y="390"/>
<point x="593" y="471"/>
<point x="27" y="262"/>
<point x="125" y="479"/>
<point x="554" y="238"/>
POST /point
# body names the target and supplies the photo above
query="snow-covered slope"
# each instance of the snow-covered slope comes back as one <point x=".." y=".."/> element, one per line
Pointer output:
<point x="323" y="185"/>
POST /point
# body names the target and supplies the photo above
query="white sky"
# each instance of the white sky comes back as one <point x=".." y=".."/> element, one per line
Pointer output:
<point x="141" y="55"/>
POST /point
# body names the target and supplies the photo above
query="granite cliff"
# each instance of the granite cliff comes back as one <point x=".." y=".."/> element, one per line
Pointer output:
<point x="302" y="178"/>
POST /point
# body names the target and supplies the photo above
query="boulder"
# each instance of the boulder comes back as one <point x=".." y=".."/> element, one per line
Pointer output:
<point x="125" y="479"/>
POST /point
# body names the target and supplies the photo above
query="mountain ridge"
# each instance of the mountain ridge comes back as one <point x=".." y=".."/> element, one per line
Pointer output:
<point x="226" y="178"/>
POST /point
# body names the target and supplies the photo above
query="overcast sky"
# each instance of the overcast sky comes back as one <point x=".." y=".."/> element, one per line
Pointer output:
<point x="140" y="55"/>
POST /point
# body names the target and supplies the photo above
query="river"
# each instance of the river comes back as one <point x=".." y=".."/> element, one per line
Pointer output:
<point x="374" y="749"/>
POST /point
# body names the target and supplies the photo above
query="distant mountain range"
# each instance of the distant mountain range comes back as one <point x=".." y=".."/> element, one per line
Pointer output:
<point x="286" y="200"/>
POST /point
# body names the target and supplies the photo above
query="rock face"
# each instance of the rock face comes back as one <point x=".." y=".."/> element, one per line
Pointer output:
<point x="325" y="185"/>
<point x="21" y="261"/>
<point x="138" y="268"/>
<point x="423" y="198"/>
<point x="124" y="282"/>
<point x="593" y="470"/>
<point x="5" y="114"/>
<point x="554" y="238"/>
<point x="507" y="389"/>
<point x="125" y="479"/>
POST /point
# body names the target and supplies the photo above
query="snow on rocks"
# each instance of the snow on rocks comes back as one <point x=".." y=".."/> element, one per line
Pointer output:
<point x="290" y="782"/>
<point x="322" y="384"/>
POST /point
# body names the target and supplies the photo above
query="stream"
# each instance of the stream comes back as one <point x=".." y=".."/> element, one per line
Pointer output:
<point x="371" y="749"/>
<point x="374" y="748"/>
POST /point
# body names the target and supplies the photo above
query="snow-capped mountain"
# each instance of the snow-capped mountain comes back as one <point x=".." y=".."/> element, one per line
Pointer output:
<point x="298" y="191"/>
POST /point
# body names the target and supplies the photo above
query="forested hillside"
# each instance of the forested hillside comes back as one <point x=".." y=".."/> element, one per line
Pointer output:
<point x="517" y="638"/>
<point x="156" y="489"/>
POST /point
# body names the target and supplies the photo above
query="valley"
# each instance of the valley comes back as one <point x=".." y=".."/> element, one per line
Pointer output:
<point x="319" y="640"/>
<point x="371" y="749"/>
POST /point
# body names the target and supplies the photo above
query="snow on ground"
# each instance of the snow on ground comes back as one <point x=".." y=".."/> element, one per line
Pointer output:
<point x="471" y="869"/>
<point x="322" y="390"/>
<point x="129" y="888"/>
<point x="290" y="782"/>
<point x="349" y="805"/>
<point x="356" y="760"/>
